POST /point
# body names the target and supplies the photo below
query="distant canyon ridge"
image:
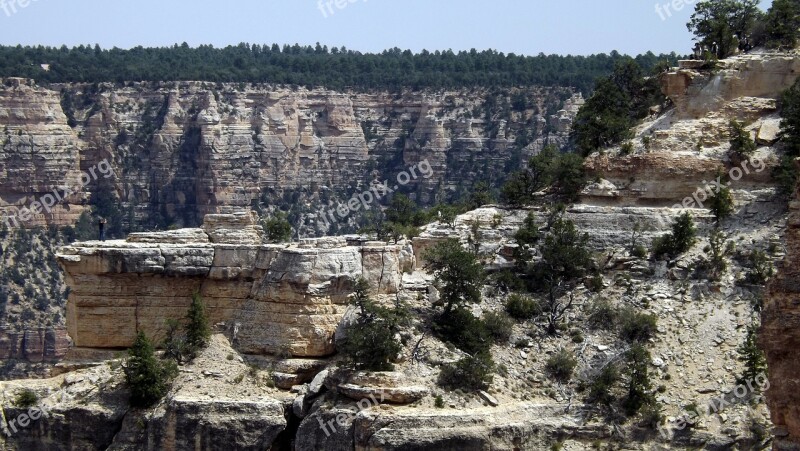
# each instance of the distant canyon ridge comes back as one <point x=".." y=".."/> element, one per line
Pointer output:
<point x="183" y="150"/>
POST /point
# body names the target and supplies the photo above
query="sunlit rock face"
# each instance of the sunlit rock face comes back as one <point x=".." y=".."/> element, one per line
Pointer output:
<point x="179" y="151"/>
<point x="273" y="298"/>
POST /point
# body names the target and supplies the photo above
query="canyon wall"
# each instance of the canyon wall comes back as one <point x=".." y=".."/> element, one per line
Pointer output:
<point x="780" y="338"/>
<point x="181" y="150"/>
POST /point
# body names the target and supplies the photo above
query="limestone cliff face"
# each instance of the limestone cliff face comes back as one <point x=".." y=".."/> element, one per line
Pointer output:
<point x="673" y="155"/>
<point x="696" y="93"/>
<point x="272" y="298"/>
<point x="780" y="338"/>
<point x="182" y="150"/>
<point x="34" y="345"/>
<point x="39" y="152"/>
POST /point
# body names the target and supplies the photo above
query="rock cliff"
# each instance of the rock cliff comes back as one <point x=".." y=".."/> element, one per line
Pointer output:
<point x="181" y="150"/>
<point x="273" y="298"/>
<point x="780" y="337"/>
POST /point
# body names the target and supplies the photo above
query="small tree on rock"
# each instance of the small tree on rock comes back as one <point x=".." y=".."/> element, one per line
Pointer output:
<point x="639" y="387"/>
<point x="458" y="273"/>
<point x="371" y="342"/>
<point x="565" y="259"/>
<point x="755" y="364"/>
<point x="198" y="330"/>
<point x="682" y="238"/>
<point x="147" y="377"/>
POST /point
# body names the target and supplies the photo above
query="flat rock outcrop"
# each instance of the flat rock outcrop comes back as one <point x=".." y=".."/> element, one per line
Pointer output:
<point x="272" y="298"/>
<point x="697" y="92"/>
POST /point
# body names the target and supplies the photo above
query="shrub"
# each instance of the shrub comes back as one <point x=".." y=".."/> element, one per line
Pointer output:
<point x="471" y="373"/>
<point x="715" y="265"/>
<point x="526" y="237"/>
<point x="651" y="415"/>
<point x="461" y="328"/>
<point x="147" y="377"/>
<point x="522" y="307"/>
<point x="561" y="365"/>
<point x="371" y="342"/>
<point x="596" y="283"/>
<point x="602" y="387"/>
<point x="26" y="398"/>
<point x="602" y="315"/>
<point x="499" y="326"/>
<point x="506" y="281"/>
<point x="626" y="148"/>
<point x="637" y="327"/>
<point x="680" y="240"/>
<point x="174" y="345"/>
<point x="438" y="402"/>
<point x="277" y="229"/>
<point x="761" y="268"/>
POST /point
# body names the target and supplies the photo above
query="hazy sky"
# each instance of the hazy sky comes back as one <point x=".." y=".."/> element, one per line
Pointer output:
<point x="519" y="26"/>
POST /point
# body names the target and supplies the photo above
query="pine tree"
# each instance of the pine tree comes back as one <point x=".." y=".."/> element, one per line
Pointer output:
<point x="681" y="239"/>
<point x="458" y="273"/>
<point x="198" y="330"/>
<point x="639" y="386"/>
<point x="371" y="343"/>
<point x="147" y="377"/>
<point x="742" y="144"/>
<point x="755" y="364"/>
<point x="565" y="258"/>
<point x="782" y="24"/>
<point x="721" y="204"/>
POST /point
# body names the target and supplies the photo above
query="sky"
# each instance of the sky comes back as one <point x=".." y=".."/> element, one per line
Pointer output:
<point x="527" y="27"/>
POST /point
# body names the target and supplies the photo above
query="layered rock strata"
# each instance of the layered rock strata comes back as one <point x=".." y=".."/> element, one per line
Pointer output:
<point x="272" y="298"/>
<point x="181" y="150"/>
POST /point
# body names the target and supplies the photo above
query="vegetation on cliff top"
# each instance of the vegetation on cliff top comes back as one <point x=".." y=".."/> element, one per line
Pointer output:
<point x="721" y="27"/>
<point x="336" y="68"/>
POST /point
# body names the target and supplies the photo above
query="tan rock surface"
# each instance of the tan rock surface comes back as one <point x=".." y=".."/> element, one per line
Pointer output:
<point x="273" y="298"/>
